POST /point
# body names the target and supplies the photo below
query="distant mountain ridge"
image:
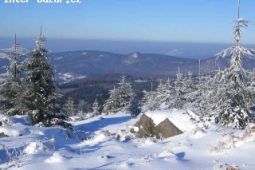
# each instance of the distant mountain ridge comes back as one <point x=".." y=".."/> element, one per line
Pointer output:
<point x="91" y="63"/>
<point x="80" y="64"/>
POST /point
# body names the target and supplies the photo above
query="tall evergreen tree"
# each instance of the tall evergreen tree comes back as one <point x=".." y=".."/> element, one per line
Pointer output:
<point x="232" y="95"/>
<point x="11" y="91"/>
<point x="41" y="93"/>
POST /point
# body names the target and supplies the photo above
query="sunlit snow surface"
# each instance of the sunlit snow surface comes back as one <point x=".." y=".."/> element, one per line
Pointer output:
<point x="105" y="142"/>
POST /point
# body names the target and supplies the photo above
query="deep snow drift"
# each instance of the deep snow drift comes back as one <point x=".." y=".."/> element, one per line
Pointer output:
<point x="104" y="142"/>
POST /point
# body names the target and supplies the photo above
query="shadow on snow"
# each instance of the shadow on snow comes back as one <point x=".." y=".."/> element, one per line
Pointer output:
<point x="101" y="123"/>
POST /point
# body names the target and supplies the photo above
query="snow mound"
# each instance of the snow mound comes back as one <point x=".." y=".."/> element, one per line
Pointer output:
<point x="55" y="158"/>
<point x="123" y="135"/>
<point x="197" y="133"/>
<point x="34" y="147"/>
<point x="99" y="136"/>
<point x="24" y="120"/>
<point x="13" y="131"/>
<point x="37" y="132"/>
<point x="144" y="142"/>
<point x="124" y="165"/>
<point x="166" y="154"/>
<point x="5" y="120"/>
<point x="17" y="119"/>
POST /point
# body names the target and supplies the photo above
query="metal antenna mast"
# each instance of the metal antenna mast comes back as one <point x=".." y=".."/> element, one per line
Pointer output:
<point x="238" y="10"/>
<point x="41" y="34"/>
<point x="199" y="70"/>
<point x="15" y="55"/>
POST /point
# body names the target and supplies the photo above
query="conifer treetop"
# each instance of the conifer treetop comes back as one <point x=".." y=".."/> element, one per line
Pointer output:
<point x="237" y="52"/>
<point x="40" y="40"/>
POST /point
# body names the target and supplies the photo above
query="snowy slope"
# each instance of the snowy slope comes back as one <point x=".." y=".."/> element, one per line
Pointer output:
<point x="106" y="143"/>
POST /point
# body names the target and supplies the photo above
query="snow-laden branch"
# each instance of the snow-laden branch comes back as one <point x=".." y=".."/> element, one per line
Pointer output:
<point x="229" y="52"/>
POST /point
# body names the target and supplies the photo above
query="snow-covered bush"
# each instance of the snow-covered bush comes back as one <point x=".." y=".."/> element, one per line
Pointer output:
<point x="249" y="132"/>
<point x="95" y="108"/>
<point x="69" y="107"/>
<point x="225" y="143"/>
<point x="224" y="166"/>
<point x="56" y="157"/>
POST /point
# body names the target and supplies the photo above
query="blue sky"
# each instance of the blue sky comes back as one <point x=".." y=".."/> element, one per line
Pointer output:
<point x="138" y="20"/>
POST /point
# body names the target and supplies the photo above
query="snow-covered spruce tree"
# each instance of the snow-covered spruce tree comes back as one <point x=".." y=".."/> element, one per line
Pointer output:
<point x="164" y="94"/>
<point x="202" y="101"/>
<point x="162" y="97"/>
<point x="178" y="87"/>
<point x="11" y="91"/>
<point x="232" y="95"/>
<point x="135" y="107"/>
<point x="190" y="89"/>
<point x="95" y="108"/>
<point x="125" y="93"/>
<point x="111" y="105"/>
<point x="120" y="98"/>
<point x="69" y="107"/>
<point x="185" y="91"/>
<point x="149" y="102"/>
<point x="41" y="91"/>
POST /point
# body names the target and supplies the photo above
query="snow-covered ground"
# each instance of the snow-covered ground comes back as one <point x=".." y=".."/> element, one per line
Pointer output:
<point x="104" y="142"/>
